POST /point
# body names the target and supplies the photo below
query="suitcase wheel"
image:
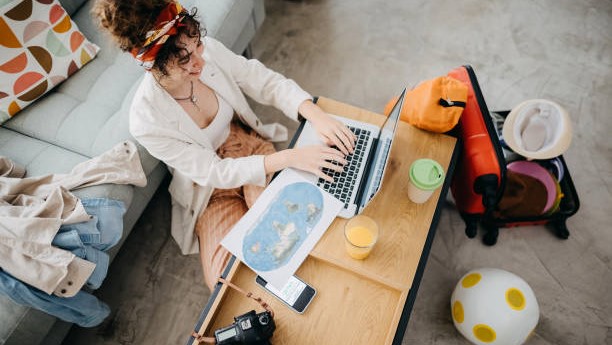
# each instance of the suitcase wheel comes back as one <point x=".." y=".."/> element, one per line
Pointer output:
<point x="471" y="224"/>
<point x="490" y="236"/>
<point x="561" y="229"/>
<point x="471" y="228"/>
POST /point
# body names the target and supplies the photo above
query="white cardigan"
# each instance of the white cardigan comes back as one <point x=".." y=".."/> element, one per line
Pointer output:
<point x="161" y="125"/>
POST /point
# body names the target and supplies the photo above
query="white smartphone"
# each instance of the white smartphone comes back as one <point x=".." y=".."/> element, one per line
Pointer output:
<point x="296" y="294"/>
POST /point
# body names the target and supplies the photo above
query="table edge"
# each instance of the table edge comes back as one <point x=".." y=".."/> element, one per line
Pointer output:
<point x="416" y="281"/>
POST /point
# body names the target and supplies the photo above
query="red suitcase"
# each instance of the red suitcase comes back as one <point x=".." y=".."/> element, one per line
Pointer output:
<point x="480" y="176"/>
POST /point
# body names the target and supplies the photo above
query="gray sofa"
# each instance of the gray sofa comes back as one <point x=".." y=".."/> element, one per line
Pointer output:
<point x="87" y="115"/>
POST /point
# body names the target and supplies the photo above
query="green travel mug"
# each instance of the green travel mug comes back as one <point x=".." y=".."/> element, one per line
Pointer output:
<point x="426" y="175"/>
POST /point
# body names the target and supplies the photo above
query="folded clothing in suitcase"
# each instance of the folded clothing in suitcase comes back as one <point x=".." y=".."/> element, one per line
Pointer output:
<point x="491" y="185"/>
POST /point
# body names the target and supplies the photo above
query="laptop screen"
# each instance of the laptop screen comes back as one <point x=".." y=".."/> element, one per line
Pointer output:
<point x="383" y="148"/>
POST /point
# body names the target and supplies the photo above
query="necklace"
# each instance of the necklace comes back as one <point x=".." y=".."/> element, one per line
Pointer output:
<point x="192" y="98"/>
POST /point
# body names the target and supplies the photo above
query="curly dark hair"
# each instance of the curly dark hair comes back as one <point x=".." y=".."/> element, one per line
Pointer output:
<point x="128" y="22"/>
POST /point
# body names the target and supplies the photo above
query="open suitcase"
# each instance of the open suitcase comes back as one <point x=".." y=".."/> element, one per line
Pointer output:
<point x="480" y="176"/>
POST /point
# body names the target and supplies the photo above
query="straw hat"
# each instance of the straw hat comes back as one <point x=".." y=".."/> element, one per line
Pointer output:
<point x="538" y="129"/>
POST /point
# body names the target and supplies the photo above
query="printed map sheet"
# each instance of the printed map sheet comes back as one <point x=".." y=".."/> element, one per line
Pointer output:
<point x="274" y="237"/>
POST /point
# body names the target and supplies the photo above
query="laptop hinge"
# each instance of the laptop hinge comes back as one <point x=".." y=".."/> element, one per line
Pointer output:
<point x="363" y="185"/>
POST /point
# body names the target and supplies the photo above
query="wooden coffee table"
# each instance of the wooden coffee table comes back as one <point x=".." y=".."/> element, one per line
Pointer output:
<point x="358" y="301"/>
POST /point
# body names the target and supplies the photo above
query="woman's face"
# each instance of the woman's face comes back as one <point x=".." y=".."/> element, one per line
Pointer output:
<point x="189" y="65"/>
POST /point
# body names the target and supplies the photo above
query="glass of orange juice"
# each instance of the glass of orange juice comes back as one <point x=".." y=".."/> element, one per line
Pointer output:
<point x="360" y="236"/>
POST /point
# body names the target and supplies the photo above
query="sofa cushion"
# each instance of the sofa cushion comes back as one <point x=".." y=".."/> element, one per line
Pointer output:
<point x="72" y="6"/>
<point x="41" y="47"/>
<point x="87" y="114"/>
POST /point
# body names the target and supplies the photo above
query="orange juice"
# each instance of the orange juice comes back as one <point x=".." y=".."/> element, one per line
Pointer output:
<point x="360" y="235"/>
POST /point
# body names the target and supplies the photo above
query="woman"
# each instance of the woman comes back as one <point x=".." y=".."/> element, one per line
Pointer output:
<point x="190" y="112"/>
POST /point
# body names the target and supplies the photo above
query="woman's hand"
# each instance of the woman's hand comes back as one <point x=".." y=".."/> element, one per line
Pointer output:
<point x="308" y="158"/>
<point x="331" y="131"/>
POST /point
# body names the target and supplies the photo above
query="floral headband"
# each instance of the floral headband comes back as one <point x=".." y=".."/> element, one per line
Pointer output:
<point x="166" y="25"/>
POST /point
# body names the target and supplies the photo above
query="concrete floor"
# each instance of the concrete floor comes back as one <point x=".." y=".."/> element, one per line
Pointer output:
<point x="365" y="51"/>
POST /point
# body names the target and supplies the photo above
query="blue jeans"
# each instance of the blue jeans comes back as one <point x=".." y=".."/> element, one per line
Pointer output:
<point x="84" y="309"/>
<point x="87" y="240"/>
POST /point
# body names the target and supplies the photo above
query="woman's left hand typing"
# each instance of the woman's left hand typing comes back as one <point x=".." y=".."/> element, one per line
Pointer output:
<point x="331" y="131"/>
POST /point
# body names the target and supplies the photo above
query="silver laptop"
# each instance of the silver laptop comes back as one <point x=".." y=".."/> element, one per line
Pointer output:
<point x="362" y="176"/>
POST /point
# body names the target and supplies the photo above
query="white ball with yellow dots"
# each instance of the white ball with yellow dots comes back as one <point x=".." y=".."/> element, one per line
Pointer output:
<point x="493" y="306"/>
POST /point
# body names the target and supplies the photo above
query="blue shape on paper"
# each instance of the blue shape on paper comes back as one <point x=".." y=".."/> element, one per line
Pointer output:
<point x="283" y="227"/>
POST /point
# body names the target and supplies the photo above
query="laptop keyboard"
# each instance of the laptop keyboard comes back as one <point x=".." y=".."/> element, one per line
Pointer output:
<point x="344" y="182"/>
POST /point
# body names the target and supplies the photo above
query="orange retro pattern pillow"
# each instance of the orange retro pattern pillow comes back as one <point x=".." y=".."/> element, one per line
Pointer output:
<point x="40" y="46"/>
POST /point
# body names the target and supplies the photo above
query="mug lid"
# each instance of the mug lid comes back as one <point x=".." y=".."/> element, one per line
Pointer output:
<point x="426" y="174"/>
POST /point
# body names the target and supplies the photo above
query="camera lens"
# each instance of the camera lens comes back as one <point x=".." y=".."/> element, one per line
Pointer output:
<point x="263" y="319"/>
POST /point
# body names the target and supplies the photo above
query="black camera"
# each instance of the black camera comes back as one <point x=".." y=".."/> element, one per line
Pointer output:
<point x="248" y="328"/>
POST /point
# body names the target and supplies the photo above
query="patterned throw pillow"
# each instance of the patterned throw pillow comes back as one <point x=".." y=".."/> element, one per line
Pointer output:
<point x="40" y="46"/>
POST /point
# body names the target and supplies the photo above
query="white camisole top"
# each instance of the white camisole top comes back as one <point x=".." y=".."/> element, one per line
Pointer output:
<point x="218" y="130"/>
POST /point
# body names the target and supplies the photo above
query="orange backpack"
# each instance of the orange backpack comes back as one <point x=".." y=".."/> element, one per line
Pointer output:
<point x="434" y="105"/>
